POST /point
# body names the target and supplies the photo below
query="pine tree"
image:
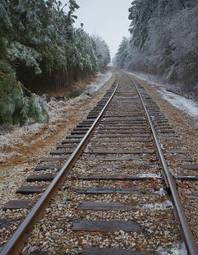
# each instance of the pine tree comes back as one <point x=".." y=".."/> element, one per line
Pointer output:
<point x="122" y="53"/>
<point x="102" y="52"/>
<point x="163" y="40"/>
<point x="39" y="42"/>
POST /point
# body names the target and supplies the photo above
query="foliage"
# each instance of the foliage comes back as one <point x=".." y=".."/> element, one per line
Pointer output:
<point x="11" y="97"/>
<point x="15" y="107"/>
<point x="162" y="42"/>
<point x="37" y="110"/>
<point x="42" y="39"/>
<point x="142" y="11"/>
<point x="83" y="57"/>
<point x="39" y="41"/>
<point x="102" y="52"/>
<point x="122" y="53"/>
<point x="26" y="55"/>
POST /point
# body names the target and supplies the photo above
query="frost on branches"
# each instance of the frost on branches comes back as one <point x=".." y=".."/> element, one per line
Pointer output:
<point x="39" y="41"/>
<point x="164" y="41"/>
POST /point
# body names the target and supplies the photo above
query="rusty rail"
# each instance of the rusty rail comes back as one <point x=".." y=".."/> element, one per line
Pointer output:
<point x="17" y="241"/>
<point x="188" y="237"/>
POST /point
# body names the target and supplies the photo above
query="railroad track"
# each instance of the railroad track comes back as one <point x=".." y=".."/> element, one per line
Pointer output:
<point x="107" y="188"/>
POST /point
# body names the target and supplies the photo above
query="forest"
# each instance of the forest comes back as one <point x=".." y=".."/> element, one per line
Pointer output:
<point x="163" y="42"/>
<point x="42" y="49"/>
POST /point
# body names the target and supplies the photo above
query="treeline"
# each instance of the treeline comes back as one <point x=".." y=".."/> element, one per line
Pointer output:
<point x="43" y="45"/>
<point x="42" y="49"/>
<point x="164" y="41"/>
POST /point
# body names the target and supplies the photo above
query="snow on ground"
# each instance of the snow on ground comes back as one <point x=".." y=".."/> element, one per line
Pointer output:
<point x="56" y="108"/>
<point x="177" y="249"/>
<point x="166" y="205"/>
<point x="100" y="81"/>
<point x="152" y="79"/>
<point x="13" y="137"/>
<point x="181" y="103"/>
<point x="186" y="105"/>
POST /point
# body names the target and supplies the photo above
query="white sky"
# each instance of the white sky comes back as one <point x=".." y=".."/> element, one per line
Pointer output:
<point x="106" y="18"/>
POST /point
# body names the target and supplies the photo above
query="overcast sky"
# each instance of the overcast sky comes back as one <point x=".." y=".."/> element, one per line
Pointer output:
<point x="106" y="18"/>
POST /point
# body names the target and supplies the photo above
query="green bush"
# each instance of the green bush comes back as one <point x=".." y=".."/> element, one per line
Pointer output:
<point x="6" y="69"/>
<point x="15" y="107"/>
<point x="37" y="110"/>
<point x="11" y="96"/>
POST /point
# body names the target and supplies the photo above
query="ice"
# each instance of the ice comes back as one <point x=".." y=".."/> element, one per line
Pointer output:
<point x="100" y="81"/>
<point x="13" y="137"/>
<point x="162" y="192"/>
<point x="184" y="104"/>
<point x="158" y="206"/>
<point x="181" y="103"/>
<point x="176" y="249"/>
<point x="149" y="175"/>
<point x="8" y="155"/>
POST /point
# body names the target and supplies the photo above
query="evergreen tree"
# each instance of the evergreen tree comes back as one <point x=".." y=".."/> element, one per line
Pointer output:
<point x="141" y="12"/>
<point x="39" y="42"/>
<point x="102" y="52"/>
<point x="43" y="43"/>
<point x="122" y="53"/>
<point x="163" y="40"/>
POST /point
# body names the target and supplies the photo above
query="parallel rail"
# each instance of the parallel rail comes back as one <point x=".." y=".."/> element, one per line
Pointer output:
<point x="188" y="237"/>
<point x="17" y="241"/>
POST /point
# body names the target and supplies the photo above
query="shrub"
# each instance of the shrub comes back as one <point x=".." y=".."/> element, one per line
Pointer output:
<point x="15" y="107"/>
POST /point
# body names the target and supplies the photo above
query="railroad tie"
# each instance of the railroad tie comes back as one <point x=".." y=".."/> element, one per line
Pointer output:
<point x="27" y="190"/>
<point x="17" y="204"/>
<point x="106" y="226"/>
<point x="114" y="251"/>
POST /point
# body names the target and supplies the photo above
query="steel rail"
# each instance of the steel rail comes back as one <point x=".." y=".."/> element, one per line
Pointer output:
<point x="18" y="239"/>
<point x="188" y="237"/>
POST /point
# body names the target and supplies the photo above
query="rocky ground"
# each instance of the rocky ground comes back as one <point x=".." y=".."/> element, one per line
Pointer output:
<point x="36" y="141"/>
<point x="184" y="120"/>
<point x="150" y="206"/>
